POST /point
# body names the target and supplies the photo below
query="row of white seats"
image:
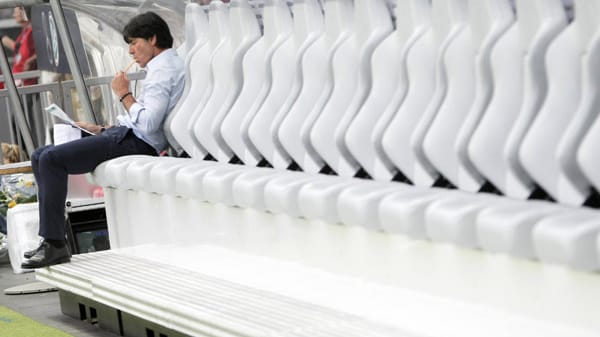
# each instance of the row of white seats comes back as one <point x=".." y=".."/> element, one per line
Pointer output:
<point x="229" y="69"/>
<point x="462" y="89"/>
<point x="454" y="90"/>
<point x="169" y="192"/>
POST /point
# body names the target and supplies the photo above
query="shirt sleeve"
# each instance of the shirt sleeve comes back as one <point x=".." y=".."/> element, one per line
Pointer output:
<point x="151" y="106"/>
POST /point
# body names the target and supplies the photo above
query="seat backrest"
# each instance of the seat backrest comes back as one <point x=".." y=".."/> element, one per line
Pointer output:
<point x="583" y="134"/>
<point x="226" y="68"/>
<point x="317" y="84"/>
<point x="543" y="21"/>
<point x="488" y="21"/>
<point x="390" y="84"/>
<point x="309" y="29"/>
<point x="538" y="152"/>
<point x="449" y="21"/>
<point x="262" y="131"/>
<point x="277" y="23"/>
<point x="468" y="87"/>
<point x="218" y="36"/>
<point x="519" y="81"/>
<point x="352" y="83"/>
<point x="398" y="137"/>
<point x="196" y="82"/>
<point x="193" y="29"/>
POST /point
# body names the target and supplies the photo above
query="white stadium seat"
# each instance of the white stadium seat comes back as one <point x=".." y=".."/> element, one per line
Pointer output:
<point x="399" y="136"/>
<point x="196" y="61"/>
<point x="294" y="130"/>
<point x="390" y="86"/>
<point x="262" y="131"/>
<point x="351" y="67"/>
<point x="519" y="89"/>
<point x="256" y="65"/>
<point x="372" y="159"/>
<point x="226" y="68"/>
<point x="550" y="146"/>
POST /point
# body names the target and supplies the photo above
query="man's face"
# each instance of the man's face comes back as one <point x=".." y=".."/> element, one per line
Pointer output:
<point x="19" y="15"/>
<point x="142" y="50"/>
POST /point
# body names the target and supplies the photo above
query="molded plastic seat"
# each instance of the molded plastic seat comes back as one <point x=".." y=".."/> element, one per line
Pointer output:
<point x="587" y="155"/>
<point x="256" y="65"/>
<point x="359" y="204"/>
<point x="404" y="211"/>
<point x="569" y="238"/>
<point x="448" y="21"/>
<point x="454" y="91"/>
<point x="281" y="192"/>
<point x="307" y="25"/>
<point x="189" y="179"/>
<point x="578" y="152"/>
<point x="453" y="218"/>
<point x="390" y="86"/>
<point x="519" y="90"/>
<point x="399" y="136"/>
<point x="317" y="84"/>
<point x="217" y="184"/>
<point x="161" y="178"/>
<point x="196" y="28"/>
<point x="352" y="83"/>
<point x="219" y="36"/>
<point x="563" y="106"/>
<point x="197" y="81"/>
<point x="465" y="66"/>
<point x="488" y="21"/>
<point x="249" y="187"/>
<point x="193" y="28"/>
<point x="103" y="173"/>
<point x="226" y="68"/>
<point x="507" y="228"/>
<point x="318" y="199"/>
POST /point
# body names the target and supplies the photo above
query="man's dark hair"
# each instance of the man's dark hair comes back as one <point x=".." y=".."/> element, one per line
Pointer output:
<point x="145" y="26"/>
<point x="27" y="10"/>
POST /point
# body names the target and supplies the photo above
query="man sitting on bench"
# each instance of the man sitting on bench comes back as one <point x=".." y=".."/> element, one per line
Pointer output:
<point x="140" y="131"/>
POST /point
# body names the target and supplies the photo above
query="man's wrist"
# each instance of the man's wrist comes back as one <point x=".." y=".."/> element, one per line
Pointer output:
<point x="124" y="96"/>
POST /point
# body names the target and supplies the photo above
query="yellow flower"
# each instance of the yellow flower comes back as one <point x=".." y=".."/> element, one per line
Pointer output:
<point x="12" y="204"/>
<point x="29" y="183"/>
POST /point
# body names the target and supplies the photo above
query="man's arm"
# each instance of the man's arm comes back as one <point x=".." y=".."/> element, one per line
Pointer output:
<point x="120" y="86"/>
<point x="93" y="128"/>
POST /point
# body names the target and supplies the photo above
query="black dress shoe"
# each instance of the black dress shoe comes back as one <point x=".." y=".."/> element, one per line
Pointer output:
<point x="48" y="255"/>
<point x="28" y="254"/>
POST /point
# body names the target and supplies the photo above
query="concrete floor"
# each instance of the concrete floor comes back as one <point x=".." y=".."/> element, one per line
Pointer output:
<point x="42" y="307"/>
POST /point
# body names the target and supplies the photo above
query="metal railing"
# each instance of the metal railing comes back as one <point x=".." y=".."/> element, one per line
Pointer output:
<point x="16" y="104"/>
<point x="105" y="104"/>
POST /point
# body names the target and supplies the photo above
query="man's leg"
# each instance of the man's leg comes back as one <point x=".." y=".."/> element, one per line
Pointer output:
<point x="55" y="163"/>
<point x="51" y="166"/>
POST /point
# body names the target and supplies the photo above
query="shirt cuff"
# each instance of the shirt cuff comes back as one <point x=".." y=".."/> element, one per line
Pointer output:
<point x="134" y="111"/>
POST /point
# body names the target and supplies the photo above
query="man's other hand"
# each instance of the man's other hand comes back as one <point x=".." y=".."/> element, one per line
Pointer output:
<point x="93" y="128"/>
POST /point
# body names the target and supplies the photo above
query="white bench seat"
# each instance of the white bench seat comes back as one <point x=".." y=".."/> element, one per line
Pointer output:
<point x="224" y="292"/>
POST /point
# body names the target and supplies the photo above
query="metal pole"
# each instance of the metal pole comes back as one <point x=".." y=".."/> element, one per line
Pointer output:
<point x="17" y="104"/>
<point x="17" y="3"/>
<point x="65" y="37"/>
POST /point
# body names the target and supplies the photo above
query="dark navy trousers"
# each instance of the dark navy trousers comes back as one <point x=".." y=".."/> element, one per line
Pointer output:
<point x="52" y="165"/>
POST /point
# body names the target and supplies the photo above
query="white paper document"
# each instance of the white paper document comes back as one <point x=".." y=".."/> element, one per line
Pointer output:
<point x="57" y="112"/>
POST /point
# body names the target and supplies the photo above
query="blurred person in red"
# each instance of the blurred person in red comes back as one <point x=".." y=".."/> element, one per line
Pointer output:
<point x="25" y="59"/>
<point x="23" y="47"/>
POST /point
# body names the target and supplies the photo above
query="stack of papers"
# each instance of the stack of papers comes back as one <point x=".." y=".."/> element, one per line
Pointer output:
<point x="57" y="112"/>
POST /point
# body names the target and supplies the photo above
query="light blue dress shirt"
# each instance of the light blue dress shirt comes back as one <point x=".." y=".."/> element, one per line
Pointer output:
<point x="160" y="91"/>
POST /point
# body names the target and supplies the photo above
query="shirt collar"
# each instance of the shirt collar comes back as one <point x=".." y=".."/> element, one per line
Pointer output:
<point x="165" y="54"/>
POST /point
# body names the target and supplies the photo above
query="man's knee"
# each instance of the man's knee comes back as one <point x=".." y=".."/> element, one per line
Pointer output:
<point x="35" y="156"/>
<point x="47" y="157"/>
